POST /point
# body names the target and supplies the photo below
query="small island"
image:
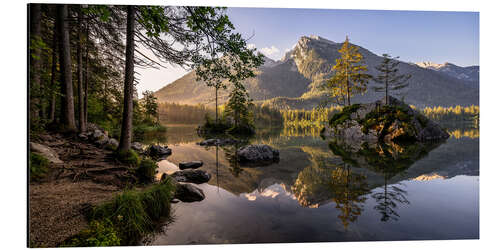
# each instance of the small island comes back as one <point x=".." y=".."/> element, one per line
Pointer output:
<point x="374" y="123"/>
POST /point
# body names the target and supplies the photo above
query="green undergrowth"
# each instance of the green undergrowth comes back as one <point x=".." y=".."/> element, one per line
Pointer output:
<point x="343" y="115"/>
<point x="39" y="166"/>
<point x="128" y="218"/>
<point x="129" y="157"/>
<point x="146" y="171"/>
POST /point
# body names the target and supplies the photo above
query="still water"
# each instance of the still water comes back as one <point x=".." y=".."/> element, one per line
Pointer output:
<point x="323" y="191"/>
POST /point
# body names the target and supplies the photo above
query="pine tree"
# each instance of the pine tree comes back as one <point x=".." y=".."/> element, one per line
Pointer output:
<point x="238" y="107"/>
<point x="349" y="78"/>
<point x="388" y="78"/>
<point x="150" y="104"/>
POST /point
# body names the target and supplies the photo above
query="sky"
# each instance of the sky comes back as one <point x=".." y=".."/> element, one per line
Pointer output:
<point x="414" y="36"/>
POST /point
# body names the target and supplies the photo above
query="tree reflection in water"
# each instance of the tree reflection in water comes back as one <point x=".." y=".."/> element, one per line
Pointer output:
<point x="389" y="160"/>
<point x="349" y="193"/>
<point x="321" y="183"/>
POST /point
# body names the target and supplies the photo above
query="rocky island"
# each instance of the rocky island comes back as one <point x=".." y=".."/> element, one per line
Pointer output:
<point x="374" y="122"/>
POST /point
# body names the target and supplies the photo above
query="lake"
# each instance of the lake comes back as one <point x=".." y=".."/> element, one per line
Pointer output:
<point x="321" y="192"/>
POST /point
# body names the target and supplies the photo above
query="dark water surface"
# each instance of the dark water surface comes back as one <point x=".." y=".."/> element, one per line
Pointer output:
<point x="322" y="191"/>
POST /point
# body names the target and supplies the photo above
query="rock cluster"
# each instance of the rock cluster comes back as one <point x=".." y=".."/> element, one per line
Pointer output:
<point x="98" y="137"/>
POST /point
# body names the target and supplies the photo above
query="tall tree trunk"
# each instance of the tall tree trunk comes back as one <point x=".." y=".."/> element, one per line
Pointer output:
<point x="67" y="102"/>
<point x="126" y="132"/>
<point x="35" y="60"/>
<point x="86" y="83"/>
<point x="53" y="72"/>
<point x="216" y="105"/>
<point x="82" y="127"/>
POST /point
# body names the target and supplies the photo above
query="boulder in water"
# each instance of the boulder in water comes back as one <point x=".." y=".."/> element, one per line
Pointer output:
<point x="191" y="164"/>
<point x="188" y="193"/>
<point x="194" y="176"/>
<point x="158" y="151"/>
<point x="259" y="153"/>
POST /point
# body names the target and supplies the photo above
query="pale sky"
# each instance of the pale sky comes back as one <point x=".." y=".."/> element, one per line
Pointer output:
<point x="415" y="36"/>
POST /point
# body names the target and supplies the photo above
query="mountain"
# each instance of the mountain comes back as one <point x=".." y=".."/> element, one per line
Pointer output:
<point x="470" y="73"/>
<point x="293" y="81"/>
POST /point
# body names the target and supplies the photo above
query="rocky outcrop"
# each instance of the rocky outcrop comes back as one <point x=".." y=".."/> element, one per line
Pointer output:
<point x="46" y="152"/>
<point x="193" y="176"/>
<point x="374" y="122"/>
<point x="192" y="164"/>
<point x="259" y="153"/>
<point x="188" y="193"/>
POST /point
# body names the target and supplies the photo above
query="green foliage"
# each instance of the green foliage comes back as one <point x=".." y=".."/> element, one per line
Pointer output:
<point x="385" y="116"/>
<point x="388" y="79"/>
<point x="146" y="170"/>
<point x="349" y="77"/>
<point x="38" y="166"/>
<point x="211" y="127"/>
<point x="150" y="104"/>
<point x="98" y="234"/>
<point x="128" y="157"/>
<point x="238" y="110"/>
<point x="344" y="115"/>
<point x="133" y="213"/>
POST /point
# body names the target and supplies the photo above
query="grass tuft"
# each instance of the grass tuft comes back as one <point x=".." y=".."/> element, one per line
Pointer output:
<point x="147" y="170"/>
<point x="134" y="212"/>
<point x="128" y="157"/>
<point x="38" y="166"/>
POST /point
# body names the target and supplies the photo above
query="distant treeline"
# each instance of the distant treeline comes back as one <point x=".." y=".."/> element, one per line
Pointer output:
<point x="183" y="114"/>
<point x="319" y="117"/>
<point x="452" y="114"/>
<point x="174" y="113"/>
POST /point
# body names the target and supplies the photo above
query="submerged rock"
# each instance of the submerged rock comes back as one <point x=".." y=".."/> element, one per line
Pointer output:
<point x="218" y="142"/>
<point x="194" y="176"/>
<point x="259" y="153"/>
<point x="188" y="193"/>
<point x="46" y="152"/>
<point x="192" y="164"/>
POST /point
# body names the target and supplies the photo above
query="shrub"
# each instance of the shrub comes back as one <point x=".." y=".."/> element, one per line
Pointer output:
<point x="343" y="115"/>
<point x="147" y="170"/>
<point x="38" y="166"/>
<point x="99" y="233"/>
<point x="128" y="157"/>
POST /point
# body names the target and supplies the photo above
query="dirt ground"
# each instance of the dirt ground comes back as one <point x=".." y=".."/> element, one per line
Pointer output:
<point x="88" y="176"/>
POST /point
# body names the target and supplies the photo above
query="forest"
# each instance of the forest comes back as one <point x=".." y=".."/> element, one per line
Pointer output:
<point x="83" y="57"/>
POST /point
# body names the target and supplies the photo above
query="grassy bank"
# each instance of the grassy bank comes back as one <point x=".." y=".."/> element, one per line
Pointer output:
<point x="127" y="218"/>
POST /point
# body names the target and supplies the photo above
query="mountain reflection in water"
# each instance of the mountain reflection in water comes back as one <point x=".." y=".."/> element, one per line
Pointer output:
<point x="325" y="191"/>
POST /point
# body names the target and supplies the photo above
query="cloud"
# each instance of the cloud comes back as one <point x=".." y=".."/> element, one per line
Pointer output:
<point x="270" y="51"/>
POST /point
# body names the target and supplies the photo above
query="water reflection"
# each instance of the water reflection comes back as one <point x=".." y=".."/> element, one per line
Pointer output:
<point x="318" y="182"/>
